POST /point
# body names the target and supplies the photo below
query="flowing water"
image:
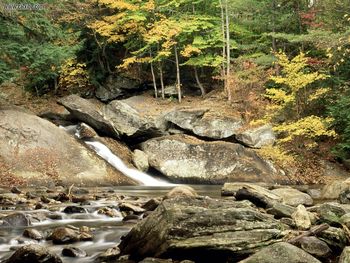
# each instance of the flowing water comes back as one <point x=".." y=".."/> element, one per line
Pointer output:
<point x="107" y="231"/>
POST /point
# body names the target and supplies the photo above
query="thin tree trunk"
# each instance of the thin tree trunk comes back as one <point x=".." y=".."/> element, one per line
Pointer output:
<point x="228" y="55"/>
<point x="223" y="46"/>
<point x="199" y="82"/>
<point x="153" y="78"/>
<point x="161" y="79"/>
<point x="178" y="81"/>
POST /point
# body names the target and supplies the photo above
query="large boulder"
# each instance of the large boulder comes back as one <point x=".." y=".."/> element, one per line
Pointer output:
<point x="293" y="197"/>
<point x="257" y="137"/>
<point x="117" y="119"/>
<point x="183" y="158"/>
<point x="281" y="253"/>
<point x="203" y="230"/>
<point x="33" y="150"/>
<point x="204" y="123"/>
<point x="33" y="254"/>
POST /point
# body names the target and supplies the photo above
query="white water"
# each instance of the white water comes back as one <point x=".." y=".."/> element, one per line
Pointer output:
<point x="103" y="151"/>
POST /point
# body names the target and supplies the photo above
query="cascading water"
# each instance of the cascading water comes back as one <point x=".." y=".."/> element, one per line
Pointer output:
<point x="103" y="151"/>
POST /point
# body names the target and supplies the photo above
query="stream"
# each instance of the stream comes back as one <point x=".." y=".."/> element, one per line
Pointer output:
<point x="107" y="231"/>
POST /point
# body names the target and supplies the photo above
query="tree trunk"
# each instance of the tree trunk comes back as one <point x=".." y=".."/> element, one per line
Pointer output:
<point x="223" y="46"/>
<point x="199" y="82"/>
<point x="161" y="79"/>
<point x="178" y="81"/>
<point x="153" y="78"/>
<point x="228" y="55"/>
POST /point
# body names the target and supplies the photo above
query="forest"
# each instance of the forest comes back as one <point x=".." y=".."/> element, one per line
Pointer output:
<point x="274" y="61"/>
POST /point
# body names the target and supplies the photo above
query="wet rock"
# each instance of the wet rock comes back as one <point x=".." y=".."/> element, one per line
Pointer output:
<point x="257" y="137"/>
<point x="185" y="159"/>
<point x="17" y="219"/>
<point x="279" y="253"/>
<point x="130" y="207"/>
<point x="293" y="197"/>
<point x="80" y="191"/>
<point x="203" y="230"/>
<point x="15" y="190"/>
<point x="258" y="195"/>
<point x="80" y="199"/>
<point x="109" y="212"/>
<point x="203" y="123"/>
<point x="140" y="160"/>
<point x="131" y="217"/>
<point x="63" y="235"/>
<point x="33" y="234"/>
<point x="33" y="254"/>
<point x="182" y="190"/>
<point x="54" y="216"/>
<point x="74" y="210"/>
<point x="110" y="254"/>
<point x="281" y="210"/>
<point x="315" y="247"/>
<point x="333" y="189"/>
<point x="301" y="218"/>
<point x="73" y="252"/>
<point x="85" y="236"/>
<point x="151" y="204"/>
<point x="62" y="197"/>
<point x="345" y="256"/>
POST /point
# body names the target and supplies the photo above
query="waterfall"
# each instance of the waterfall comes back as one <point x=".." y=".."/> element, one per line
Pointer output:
<point x="104" y="152"/>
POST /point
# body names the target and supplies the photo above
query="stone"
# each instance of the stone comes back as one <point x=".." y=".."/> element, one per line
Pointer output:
<point x="62" y="158"/>
<point x="74" y="210"/>
<point x="257" y="137"/>
<point x="182" y="190"/>
<point x="345" y="220"/>
<point x="185" y="159"/>
<point x="84" y="131"/>
<point x="130" y="207"/>
<point x="281" y="253"/>
<point x="345" y="256"/>
<point x="202" y="230"/>
<point x="110" y="254"/>
<point x="334" y="237"/>
<point x="73" y="252"/>
<point x="140" y="160"/>
<point x="64" y="235"/>
<point x="281" y="210"/>
<point x="33" y="254"/>
<point x="344" y="196"/>
<point x="110" y="212"/>
<point x="333" y="189"/>
<point x="258" y="195"/>
<point x="293" y="197"/>
<point x="301" y="218"/>
<point x="203" y="123"/>
<point x="330" y="213"/>
<point x="151" y="204"/>
<point x="115" y="87"/>
<point x="315" y="247"/>
<point x="17" y="219"/>
<point x="33" y="234"/>
<point x="156" y="260"/>
<point x="15" y="190"/>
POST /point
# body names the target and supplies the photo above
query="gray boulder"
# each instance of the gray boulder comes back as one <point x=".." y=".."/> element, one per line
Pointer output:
<point x="203" y="123"/>
<point x="281" y="253"/>
<point x="35" y="151"/>
<point x="293" y="197"/>
<point x="345" y="255"/>
<point x="183" y="158"/>
<point x="257" y="137"/>
<point x="140" y="160"/>
<point x="203" y="230"/>
<point x="116" y="87"/>
<point x="33" y="254"/>
<point x="17" y="219"/>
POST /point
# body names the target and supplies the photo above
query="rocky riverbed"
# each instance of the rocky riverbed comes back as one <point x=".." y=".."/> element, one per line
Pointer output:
<point x="248" y="223"/>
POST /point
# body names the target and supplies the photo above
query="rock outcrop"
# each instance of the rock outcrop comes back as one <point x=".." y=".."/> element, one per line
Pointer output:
<point x="183" y="158"/>
<point x="257" y="137"/>
<point x="33" y="150"/>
